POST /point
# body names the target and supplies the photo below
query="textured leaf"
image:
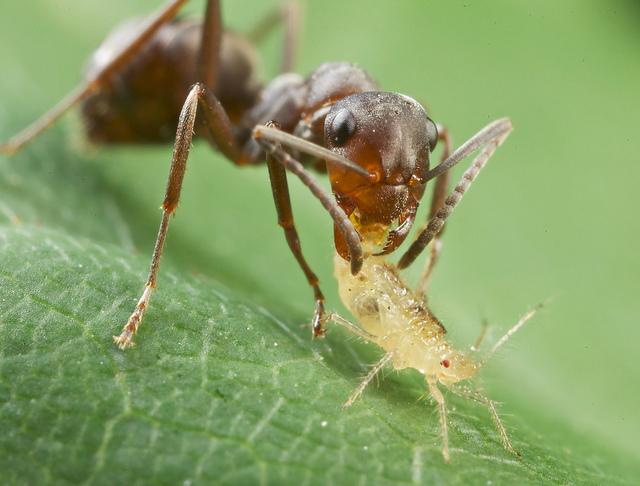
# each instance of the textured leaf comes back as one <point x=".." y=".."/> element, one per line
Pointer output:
<point x="225" y="384"/>
<point x="217" y="389"/>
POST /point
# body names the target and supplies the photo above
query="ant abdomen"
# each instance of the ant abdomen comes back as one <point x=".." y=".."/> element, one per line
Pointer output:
<point x="140" y="103"/>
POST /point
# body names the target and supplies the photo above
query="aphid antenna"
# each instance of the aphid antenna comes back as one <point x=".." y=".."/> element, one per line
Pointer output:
<point x="515" y="328"/>
<point x="475" y="347"/>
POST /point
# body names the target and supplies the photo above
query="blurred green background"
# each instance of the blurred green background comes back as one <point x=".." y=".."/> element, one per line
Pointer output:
<point x="555" y="214"/>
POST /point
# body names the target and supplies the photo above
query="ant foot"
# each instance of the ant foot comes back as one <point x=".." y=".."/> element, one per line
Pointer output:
<point x="124" y="340"/>
<point x="319" y="318"/>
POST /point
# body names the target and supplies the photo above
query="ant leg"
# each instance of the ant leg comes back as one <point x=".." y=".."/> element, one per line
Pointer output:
<point x="289" y="15"/>
<point x="221" y="130"/>
<point x="280" y="189"/>
<point x="90" y="86"/>
<point x="210" y="41"/>
<point x="278" y="160"/>
<point x="479" y="397"/>
<point x="367" y="379"/>
<point x="437" y="201"/>
<point x="442" y="411"/>
<point x="490" y="137"/>
<point x="270" y="139"/>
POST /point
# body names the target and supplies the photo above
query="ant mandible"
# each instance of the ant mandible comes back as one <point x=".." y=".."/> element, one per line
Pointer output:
<point x="375" y="146"/>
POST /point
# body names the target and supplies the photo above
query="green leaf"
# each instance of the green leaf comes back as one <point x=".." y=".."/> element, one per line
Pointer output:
<point x="225" y="384"/>
<point x="216" y="389"/>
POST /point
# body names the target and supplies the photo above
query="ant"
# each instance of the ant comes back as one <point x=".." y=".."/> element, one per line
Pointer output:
<point x="150" y="80"/>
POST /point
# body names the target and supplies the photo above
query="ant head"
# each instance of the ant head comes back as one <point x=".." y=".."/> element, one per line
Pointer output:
<point x="389" y="135"/>
<point x="454" y="366"/>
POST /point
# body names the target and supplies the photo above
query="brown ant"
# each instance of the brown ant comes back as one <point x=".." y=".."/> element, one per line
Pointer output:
<point x="375" y="147"/>
<point x="151" y="79"/>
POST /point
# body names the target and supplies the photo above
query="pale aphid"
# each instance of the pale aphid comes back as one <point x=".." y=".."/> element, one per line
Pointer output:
<point x="396" y="318"/>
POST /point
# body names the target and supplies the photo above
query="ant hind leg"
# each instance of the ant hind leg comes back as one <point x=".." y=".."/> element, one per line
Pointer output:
<point x="440" y="191"/>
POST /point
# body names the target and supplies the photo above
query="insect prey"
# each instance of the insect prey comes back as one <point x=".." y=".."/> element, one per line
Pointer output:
<point x="396" y="318"/>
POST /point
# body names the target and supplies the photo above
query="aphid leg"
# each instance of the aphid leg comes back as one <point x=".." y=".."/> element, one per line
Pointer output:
<point x="440" y="192"/>
<point x="478" y="396"/>
<point x="490" y="137"/>
<point x="221" y="131"/>
<point x="288" y="15"/>
<point x="277" y="154"/>
<point x="442" y="411"/>
<point x="367" y="379"/>
<point x="90" y="86"/>
<point x="349" y="326"/>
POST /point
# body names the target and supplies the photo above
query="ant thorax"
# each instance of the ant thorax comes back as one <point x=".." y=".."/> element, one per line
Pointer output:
<point x="399" y="321"/>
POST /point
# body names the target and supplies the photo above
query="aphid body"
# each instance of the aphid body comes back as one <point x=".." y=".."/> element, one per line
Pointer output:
<point x="400" y="322"/>
<point x="396" y="318"/>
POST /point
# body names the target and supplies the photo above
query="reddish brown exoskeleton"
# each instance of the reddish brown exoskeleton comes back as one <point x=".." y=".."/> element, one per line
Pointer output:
<point x="152" y="79"/>
<point x="163" y="76"/>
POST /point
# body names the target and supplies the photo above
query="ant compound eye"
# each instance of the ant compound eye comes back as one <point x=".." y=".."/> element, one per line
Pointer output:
<point x="343" y="126"/>
<point x="445" y="363"/>
<point x="432" y="134"/>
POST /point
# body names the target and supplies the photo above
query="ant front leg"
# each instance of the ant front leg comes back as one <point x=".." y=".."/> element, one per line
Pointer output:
<point x="282" y="200"/>
<point x="270" y="138"/>
<point x="440" y="192"/>
<point x="94" y="84"/>
<point x="221" y="130"/>
<point x="489" y="138"/>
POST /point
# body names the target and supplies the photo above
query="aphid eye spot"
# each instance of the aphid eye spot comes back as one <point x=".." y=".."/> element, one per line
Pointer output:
<point x="446" y="363"/>
<point x="343" y="126"/>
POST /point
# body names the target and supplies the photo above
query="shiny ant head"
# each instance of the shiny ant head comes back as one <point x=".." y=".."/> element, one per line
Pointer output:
<point x="389" y="135"/>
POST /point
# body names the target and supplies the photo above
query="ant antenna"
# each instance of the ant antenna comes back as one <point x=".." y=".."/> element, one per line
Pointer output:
<point x="521" y="322"/>
<point x="497" y="130"/>
<point x="274" y="135"/>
